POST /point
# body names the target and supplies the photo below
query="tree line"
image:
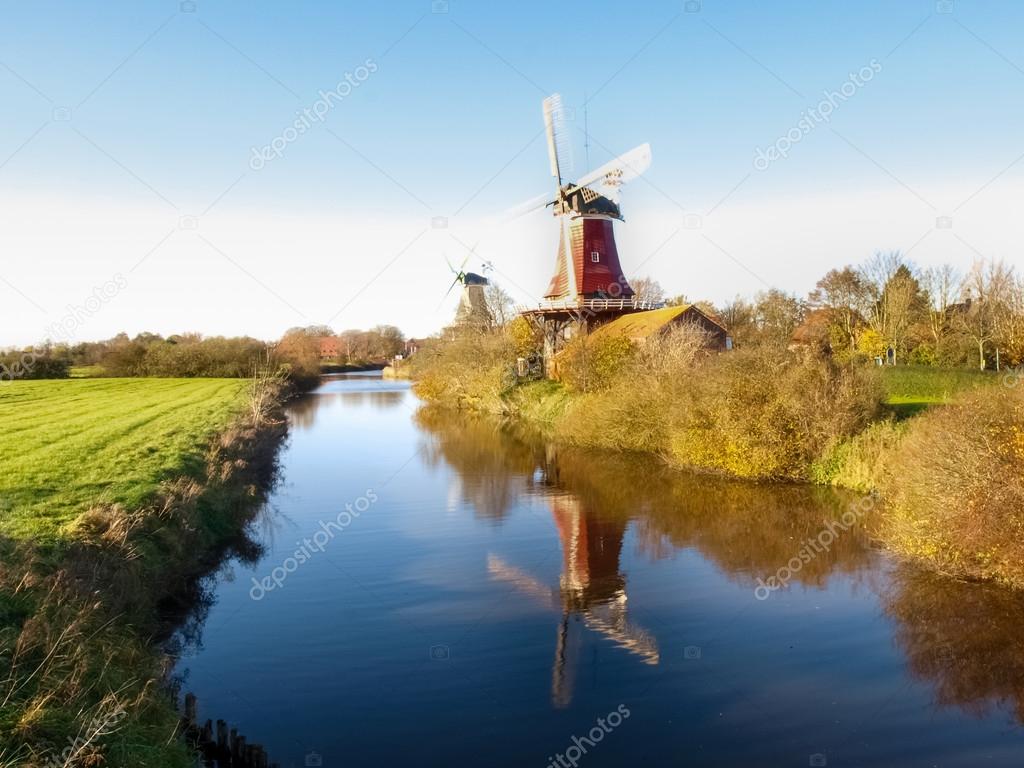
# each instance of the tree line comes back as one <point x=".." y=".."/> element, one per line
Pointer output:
<point x="298" y="354"/>
<point x="925" y="316"/>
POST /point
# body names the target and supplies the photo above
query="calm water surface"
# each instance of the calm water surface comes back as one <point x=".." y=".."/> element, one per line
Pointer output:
<point x="487" y="598"/>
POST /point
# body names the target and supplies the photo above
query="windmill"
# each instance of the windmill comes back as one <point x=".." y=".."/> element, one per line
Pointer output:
<point x="588" y="286"/>
<point x="473" y="309"/>
<point x="587" y="269"/>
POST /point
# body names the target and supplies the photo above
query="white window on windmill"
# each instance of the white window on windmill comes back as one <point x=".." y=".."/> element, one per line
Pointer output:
<point x="595" y="256"/>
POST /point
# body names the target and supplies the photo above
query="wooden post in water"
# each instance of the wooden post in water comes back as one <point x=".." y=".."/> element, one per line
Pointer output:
<point x="219" y="746"/>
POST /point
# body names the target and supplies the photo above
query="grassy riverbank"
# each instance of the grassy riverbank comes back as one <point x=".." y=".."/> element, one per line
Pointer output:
<point x="115" y="494"/>
<point x="72" y="444"/>
<point x="944" y="448"/>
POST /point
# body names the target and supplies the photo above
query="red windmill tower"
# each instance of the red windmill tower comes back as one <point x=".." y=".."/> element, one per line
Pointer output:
<point x="588" y="286"/>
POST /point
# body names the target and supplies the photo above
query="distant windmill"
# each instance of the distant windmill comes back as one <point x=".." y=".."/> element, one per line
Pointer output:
<point x="473" y="309"/>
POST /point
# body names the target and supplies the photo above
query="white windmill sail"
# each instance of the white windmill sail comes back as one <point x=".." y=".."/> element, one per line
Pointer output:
<point x="559" y="141"/>
<point x="609" y="177"/>
<point x="619" y="171"/>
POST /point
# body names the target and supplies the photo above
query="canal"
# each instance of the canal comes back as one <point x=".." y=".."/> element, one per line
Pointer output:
<point x="431" y="590"/>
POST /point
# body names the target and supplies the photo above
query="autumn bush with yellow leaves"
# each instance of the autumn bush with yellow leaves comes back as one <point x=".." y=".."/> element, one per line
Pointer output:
<point x="954" y="488"/>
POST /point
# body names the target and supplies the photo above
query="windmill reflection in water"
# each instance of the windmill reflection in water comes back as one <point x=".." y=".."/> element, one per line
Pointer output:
<point x="591" y="586"/>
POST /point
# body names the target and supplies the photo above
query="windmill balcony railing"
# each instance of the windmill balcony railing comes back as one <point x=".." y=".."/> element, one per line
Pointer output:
<point x="593" y="305"/>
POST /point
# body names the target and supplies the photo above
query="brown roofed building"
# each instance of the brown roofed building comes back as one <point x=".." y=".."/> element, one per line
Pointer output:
<point x="638" y="327"/>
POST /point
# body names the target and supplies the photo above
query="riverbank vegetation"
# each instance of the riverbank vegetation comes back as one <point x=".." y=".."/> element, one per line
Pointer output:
<point x="802" y="397"/>
<point x="756" y="413"/>
<point x="954" y="487"/>
<point x="116" y="496"/>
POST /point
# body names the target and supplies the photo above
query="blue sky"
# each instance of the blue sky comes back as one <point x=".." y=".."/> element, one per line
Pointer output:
<point x="123" y="123"/>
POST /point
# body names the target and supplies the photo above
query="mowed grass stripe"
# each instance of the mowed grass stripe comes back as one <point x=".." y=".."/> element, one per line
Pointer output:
<point x="19" y="412"/>
<point x="102" y="439"/>
<point x="82" y="483"/>
<point x="53" y="440"/>
<point x="52" y="431"/>
<point x="213" y="410"/>
<point x="52" y="424"/>
<point x="79" y="408"/>
<point x="78" y="443"/>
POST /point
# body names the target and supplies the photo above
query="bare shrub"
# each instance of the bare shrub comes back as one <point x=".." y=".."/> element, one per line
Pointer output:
<point x="672" y="353"/>
<point x="955" y="498"/>
<point x="469" y="369"/>
<point x="266" y="383"/>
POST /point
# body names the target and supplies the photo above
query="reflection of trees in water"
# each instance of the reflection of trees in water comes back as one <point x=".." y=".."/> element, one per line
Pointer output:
<point x="184" y="615"/>
<point x="748" y="530"/>
<point x="964" y="638"/>
<point x="493" y="468"/>
<point x="303" y="410"/>
<point x="378" y="400"/>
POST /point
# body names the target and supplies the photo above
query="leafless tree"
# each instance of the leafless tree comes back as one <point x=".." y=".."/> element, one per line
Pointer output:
<point x="942" y="285"/>
<point x="500" y="304"/>
<point x="265" y="385"/>
<point x="738" y="316"/>
<point x="1011" y="331"/>
<point x="647" y="289"/>
<point x="845" y="293"/>
<point x="776" y="316"/>
<point x="989" y="289"/>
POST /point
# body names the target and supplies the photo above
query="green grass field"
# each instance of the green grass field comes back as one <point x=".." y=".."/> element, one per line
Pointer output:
<point x="73" y="443"/>
<point x="910" y="389"/>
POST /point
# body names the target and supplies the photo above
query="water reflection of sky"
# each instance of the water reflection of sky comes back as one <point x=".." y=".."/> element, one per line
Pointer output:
<point x="501" y="595"/>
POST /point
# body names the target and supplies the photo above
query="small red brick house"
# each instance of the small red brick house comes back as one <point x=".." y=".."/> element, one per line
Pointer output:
<point x="330" y="348"/>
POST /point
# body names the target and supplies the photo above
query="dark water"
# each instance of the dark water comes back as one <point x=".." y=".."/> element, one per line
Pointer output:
<point x="485" y="599"/>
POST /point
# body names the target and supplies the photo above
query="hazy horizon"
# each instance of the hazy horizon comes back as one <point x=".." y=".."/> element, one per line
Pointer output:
<point x="127" y="152"/>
